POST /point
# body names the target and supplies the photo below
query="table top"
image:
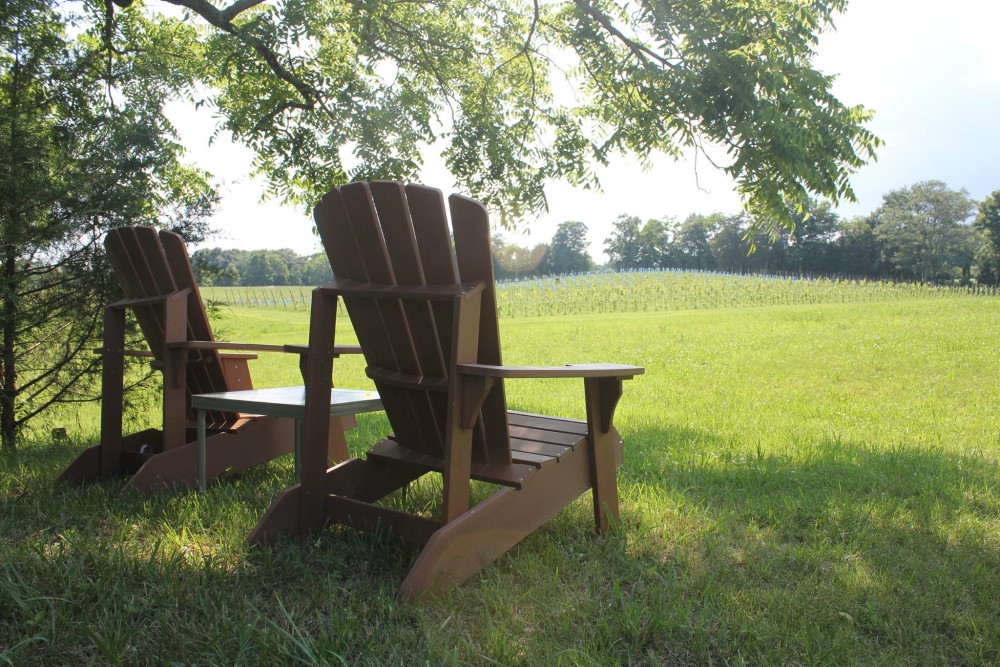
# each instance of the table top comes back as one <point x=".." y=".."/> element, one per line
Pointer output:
<point x="286" y="401"/>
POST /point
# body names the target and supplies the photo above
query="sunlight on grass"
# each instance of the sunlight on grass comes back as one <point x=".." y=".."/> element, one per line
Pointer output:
<point x="802" y="484"/>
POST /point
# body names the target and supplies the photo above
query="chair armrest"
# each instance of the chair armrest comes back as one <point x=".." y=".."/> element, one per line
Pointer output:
<point x="569" y="371"/>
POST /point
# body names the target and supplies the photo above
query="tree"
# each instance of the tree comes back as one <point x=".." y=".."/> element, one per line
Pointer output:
<point x="811" y="241"/>
<point x="988" y="255"/>
<point x="691" y="247"/>
<point x="924" y="232"/>
<point x="568" y="250"/>
<point x="264" y="267"/>
<point x="316" y="270"/>
<point x="85" y="148"/>
<point x="857" y="248"/>
<point x="654" y="244"/>
<point x="729" y="249"/>
<point x="623" y="247"/>
<point x="325" y="92"/>
<point x="215" y="266"/>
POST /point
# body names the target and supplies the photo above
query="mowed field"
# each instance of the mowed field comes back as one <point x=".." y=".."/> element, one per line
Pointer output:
<point x="803" y="484"/>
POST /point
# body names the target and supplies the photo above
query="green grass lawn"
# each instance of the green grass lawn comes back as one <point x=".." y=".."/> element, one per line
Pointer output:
<point x="810" y="484"/>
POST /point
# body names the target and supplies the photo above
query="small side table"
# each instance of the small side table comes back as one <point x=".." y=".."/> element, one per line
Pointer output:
<point x="276" y="402"/>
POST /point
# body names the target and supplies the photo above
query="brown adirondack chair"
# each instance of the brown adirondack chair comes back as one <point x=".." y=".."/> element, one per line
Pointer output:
<point x="154" y="271"/>
<point x="427" y="323"/>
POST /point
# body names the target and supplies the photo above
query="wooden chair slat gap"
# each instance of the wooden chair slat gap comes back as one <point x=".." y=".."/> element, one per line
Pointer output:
<point x="337" y="232"/>
<point x="364" y="223"/>
<point x="423" y="412"/>
<point x="367" y="320"/>
<point x="399" y="410"/>
<point x="389" y="201"/>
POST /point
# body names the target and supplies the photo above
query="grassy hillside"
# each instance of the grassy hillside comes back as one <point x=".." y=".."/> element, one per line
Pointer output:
<point x="802" y="484"/>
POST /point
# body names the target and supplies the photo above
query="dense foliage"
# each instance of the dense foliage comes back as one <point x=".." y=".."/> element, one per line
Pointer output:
<point x="85" y="148"/>
<point x="921" y="233"/>
<point x="520" y="92"/>
<point x="215" y="266"/>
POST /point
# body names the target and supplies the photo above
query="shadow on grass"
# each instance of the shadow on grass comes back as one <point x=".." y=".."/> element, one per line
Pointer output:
<point x="834" y="552"/>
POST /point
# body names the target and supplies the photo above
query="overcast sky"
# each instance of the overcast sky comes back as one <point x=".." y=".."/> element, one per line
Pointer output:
<point x="929" y="69"/>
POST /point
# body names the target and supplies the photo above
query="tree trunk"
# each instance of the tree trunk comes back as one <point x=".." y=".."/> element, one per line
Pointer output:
<point x="8" y="306"/>
<point x="8" y="418"/>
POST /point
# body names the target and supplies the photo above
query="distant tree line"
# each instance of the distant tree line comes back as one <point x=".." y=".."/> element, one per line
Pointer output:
<point x="924" y="233"/>
<point x="215" y="266"/>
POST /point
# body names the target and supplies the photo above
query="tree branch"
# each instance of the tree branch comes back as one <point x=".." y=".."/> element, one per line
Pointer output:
<point x="223" y="21"/>
<point x="642" y="52"/>
<point x="237" y="8"/>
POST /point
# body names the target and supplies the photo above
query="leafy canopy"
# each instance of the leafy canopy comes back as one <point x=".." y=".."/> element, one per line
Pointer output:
<point x="517" y="93"/>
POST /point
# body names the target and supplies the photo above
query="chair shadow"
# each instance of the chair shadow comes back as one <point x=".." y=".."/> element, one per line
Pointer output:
<point x="708" y="531"/>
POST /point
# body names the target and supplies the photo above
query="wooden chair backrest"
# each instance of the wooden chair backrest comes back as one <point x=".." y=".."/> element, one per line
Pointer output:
<point x="151" y="263"/>
<point x="387" y="234"/>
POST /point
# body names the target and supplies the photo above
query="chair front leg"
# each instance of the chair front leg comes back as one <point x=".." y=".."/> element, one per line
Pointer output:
<point x="316" y="421"/>
<point x="602" y="396"/>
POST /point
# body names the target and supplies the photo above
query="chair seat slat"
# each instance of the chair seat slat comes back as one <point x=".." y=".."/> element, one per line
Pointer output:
<point x="547" y="423"/>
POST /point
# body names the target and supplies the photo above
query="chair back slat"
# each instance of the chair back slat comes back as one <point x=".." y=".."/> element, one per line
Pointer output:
<point x="471" y="223"/>
<point x="147" y="264"/>
<point x="179" y="264"/>
<point x="371" y="234"/>
<point x="205" y="370"/>
<point x="384" y="234"/>
<point x="127" y="258"/>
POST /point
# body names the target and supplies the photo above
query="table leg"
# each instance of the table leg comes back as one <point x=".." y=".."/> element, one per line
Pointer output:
<point x="202" y="467"/>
